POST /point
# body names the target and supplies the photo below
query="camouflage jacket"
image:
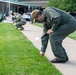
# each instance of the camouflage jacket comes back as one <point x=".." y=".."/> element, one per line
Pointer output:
<point x="19" y="18"/>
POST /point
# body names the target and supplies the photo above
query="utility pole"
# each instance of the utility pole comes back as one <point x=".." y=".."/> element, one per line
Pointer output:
<point x="9" y="5"/>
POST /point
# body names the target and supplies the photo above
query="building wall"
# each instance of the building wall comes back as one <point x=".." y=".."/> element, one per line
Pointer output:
<point x="3" y="7"/>
<point x="42" y="3"/>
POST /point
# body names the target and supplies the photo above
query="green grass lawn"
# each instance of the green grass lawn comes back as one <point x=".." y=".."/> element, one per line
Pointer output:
<point x="73" y="35"/>
<point x="38" y="24"/>
<point x="18" y="56"/>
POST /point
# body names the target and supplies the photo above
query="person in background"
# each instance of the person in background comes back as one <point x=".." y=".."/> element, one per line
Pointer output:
<point x="58" y="24"/>
<point x="19" y="21"/>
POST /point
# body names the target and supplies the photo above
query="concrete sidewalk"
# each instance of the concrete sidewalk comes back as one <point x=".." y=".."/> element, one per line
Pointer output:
<point x="33" y="33"/>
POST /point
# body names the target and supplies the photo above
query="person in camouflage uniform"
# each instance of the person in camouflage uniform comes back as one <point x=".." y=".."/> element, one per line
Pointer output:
<point x="58" y="24"/>
<point x="19" y="21"/>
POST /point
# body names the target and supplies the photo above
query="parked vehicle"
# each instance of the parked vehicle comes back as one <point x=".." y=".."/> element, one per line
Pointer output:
<point x="27" y="16"/>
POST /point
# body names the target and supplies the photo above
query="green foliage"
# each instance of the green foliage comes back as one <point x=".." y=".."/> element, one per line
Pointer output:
<point x="68" y="5"/>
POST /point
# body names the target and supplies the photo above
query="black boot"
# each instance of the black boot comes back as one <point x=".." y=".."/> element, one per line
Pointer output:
<point x="21" y="28"/>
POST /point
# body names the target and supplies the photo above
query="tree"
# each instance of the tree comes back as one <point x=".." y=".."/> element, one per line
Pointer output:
<point x="68" y="5"/>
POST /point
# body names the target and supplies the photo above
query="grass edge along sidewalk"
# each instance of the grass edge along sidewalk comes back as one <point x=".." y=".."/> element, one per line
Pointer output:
<point x="18" y="56"/>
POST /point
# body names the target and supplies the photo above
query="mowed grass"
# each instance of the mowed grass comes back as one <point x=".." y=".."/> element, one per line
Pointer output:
<point x="39" y="24"/>
<point x="18" y="56"/>
<point x="73" y="35"/>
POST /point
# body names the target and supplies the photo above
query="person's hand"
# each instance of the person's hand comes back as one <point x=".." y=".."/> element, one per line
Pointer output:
<point x="49" y="31"/>
<point x="41" y="53"/>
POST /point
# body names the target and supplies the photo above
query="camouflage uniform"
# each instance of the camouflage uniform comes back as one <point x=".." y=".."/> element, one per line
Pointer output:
<point x="19" y="21"/>
<point x="62" y="24"/>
